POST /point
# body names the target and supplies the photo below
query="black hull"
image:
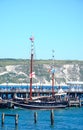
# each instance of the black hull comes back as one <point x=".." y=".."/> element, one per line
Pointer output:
<point x="4" y="105"/>
<point x="43" y="106"/>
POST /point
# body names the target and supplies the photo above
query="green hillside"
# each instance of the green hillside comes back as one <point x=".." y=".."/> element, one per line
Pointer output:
<point x="17" y="70"/>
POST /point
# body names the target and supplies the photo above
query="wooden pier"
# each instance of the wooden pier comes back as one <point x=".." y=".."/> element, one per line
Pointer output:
<point x="75" y="103"/>
<point x="25" y="93"/>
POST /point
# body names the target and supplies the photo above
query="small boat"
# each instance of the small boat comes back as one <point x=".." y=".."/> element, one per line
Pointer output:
<point x="2" y="103"/>
<point x="5" y="104"/>
<point x="43" y="102"/>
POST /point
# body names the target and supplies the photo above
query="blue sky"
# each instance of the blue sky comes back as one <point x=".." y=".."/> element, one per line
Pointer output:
<point x="55" y="24"/>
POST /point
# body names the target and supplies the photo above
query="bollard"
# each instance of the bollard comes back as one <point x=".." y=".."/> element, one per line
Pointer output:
<point x="35" y="117"/>
<point x="3" y="115"/>
<point x="52" y="117"/>
<point x="16" y="119"/>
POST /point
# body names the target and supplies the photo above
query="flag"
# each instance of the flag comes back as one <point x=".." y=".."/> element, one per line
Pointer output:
<point x="32" y="39"/>
<point x="51" y="70"/>
<point x="32" y="75"/>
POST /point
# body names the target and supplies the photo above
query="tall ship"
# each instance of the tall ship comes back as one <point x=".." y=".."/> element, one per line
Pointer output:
<point x="53" y="101"/>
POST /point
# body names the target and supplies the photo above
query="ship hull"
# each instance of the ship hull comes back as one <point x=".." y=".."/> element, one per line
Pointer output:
<point x="41" y="105"/>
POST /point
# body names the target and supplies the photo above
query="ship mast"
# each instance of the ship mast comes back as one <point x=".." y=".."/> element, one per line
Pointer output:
<point x="31" y="66"/>
<point x="53" y="71"/>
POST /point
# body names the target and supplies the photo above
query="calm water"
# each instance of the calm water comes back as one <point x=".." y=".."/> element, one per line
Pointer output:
<point x="65" y="119"/>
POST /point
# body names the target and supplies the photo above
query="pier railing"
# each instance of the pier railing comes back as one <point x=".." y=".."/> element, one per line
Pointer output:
<point x="25" y="93"/>
<point x="38" y="90"/>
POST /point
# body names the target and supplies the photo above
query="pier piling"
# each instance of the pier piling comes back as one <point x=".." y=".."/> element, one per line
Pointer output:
<point x="35" y="117"/>
<point x="3" y="118"/>
<point x="16" y="119"/>
<point x="52" y="117"/>
<point x="13" y="115"/>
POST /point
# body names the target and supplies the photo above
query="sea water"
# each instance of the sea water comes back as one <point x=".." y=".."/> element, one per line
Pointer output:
<point x="64" y="119"/>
